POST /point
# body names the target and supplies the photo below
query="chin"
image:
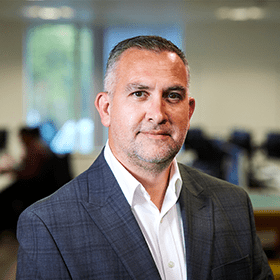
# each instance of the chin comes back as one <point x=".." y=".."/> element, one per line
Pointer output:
<point x="158" y="157"/>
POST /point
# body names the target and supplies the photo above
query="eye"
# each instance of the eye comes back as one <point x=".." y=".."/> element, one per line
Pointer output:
<point x="174" y="96"/>
<point x="139" y="94"/>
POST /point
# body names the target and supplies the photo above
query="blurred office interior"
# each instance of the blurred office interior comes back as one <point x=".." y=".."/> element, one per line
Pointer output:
<point x="52" y="60"/>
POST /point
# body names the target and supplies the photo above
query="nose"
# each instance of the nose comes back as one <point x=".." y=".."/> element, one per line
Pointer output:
<point x="156" y="110"/>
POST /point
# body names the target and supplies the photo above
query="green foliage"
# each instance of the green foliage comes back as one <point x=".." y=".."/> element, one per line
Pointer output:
<point x="51" y="51"/>
<point x="59" y="63"/>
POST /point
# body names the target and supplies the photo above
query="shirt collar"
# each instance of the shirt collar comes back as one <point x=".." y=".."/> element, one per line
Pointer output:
<point x="129" y="184"/>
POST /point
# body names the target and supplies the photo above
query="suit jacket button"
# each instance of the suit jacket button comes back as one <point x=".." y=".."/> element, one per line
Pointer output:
<point x="171" y="264"/>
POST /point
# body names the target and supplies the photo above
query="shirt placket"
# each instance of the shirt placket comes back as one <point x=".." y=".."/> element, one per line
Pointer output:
<point x="168" y="250"/>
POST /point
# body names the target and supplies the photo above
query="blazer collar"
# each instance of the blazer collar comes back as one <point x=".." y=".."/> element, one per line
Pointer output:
<point x="111" y="212"/>
<point x="197" y="215"/>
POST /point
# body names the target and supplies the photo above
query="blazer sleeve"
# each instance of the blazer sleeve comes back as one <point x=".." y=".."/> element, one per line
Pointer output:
<point x="261" y="268"/>
<point x="252" y="266"/>
<point x="32" y="259"/>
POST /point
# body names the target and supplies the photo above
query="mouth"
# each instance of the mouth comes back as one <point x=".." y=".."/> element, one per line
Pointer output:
<point x="159" y="135"/>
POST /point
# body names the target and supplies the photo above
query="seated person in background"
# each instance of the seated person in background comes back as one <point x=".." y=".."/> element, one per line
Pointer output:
<point x="137" y="213"/>
<point x="34" y="178"/>
<point x="36" y="155"/>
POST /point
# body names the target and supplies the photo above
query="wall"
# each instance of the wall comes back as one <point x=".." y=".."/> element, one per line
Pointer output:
<point x="235" y="70"/>
<point x="11" y="80"/>
<point x="11" y="73"/>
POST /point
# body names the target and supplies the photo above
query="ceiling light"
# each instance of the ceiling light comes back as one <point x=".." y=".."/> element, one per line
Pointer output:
<point x="49" y="13"/>
<point x="240" y="14"/>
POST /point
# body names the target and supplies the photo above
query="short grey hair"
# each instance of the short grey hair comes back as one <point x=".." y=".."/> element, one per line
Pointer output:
<point x="152" y="43"/>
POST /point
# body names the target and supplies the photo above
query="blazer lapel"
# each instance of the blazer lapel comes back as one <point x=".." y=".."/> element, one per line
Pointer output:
<point x="111" y="212"/>
<point x="196" y="208"/>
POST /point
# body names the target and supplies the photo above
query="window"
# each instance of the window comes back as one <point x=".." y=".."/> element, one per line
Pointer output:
<point x="59" y="66"/>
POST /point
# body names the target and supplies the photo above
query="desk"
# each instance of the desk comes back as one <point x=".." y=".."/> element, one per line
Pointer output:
<point x="266" y="207"/>
<point x="267" y="218"/>
<point x="269" y="200"/>
<point x="275" y="267"/>
<point x="268" y="229"/>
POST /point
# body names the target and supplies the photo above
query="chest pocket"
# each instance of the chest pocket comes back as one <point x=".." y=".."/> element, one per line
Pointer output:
<point x="235" y="270"/>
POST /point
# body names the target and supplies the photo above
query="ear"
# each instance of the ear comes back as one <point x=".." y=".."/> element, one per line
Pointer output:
<point x="102" y="104"/>
<point x="191" y="106"/>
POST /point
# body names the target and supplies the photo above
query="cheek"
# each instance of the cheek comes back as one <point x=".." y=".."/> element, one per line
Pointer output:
<point x="182" y="123"/>
<point x="129" y="114"/>
<point x="124" y="119"/>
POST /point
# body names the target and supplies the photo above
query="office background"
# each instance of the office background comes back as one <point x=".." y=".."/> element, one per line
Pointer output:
<point x="235" y="65"/>
<point x="234" y="56"/>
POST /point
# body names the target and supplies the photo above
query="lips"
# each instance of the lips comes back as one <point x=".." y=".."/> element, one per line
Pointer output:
<point x="158" y="134"/>
<point x="155" y="132"/>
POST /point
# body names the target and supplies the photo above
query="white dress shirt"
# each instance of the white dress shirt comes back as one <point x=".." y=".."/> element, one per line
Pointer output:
<point x="163" y="230"/>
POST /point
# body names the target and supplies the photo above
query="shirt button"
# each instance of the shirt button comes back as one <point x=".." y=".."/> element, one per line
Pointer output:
<point x="171" y="264"/>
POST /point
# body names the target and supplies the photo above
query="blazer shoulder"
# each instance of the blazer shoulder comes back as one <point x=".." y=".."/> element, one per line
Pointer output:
<point x="198" y="182"/>
<point x="95" y="185"/>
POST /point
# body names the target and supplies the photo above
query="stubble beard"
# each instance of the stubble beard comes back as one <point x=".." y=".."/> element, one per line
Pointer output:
<point x="156" y="163"/>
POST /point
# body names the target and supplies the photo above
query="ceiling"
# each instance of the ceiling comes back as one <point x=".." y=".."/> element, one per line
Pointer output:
<point x="108" y="12"/>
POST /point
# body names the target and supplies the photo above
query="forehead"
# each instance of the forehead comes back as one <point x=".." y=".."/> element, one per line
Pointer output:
<point x="149" y="63"/>
<point x="138" y="55"/>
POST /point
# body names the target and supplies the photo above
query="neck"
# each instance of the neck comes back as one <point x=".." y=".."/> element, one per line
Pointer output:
<point x="155" y="183"/>
<point x="154" y="175"/>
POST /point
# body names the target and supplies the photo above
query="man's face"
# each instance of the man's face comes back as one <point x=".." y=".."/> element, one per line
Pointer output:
<point x="149" y="113"/>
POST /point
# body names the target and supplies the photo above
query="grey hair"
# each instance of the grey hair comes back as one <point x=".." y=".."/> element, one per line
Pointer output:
<point x="152" y="43"/>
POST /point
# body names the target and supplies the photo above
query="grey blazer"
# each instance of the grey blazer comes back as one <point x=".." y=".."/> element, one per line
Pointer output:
<point x="86" y="230"/>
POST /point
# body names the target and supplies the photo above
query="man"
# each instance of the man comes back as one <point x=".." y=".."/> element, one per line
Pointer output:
<point x="32" y="179"/>
<point x="136" y="213"/>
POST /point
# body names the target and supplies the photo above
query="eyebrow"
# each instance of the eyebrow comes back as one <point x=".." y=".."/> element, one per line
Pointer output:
<point x="176" y="87"/>
<point x="139" y="86"/>
<point x="136" y="86"/>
